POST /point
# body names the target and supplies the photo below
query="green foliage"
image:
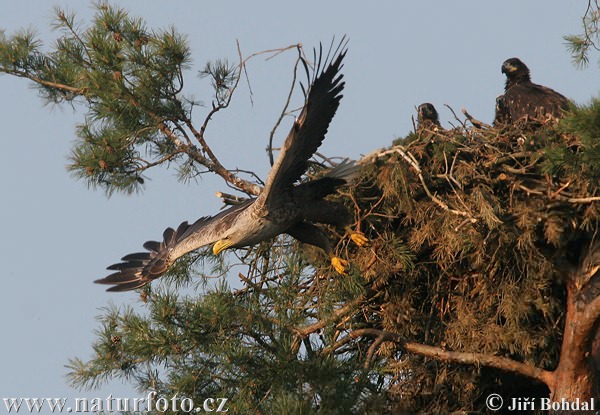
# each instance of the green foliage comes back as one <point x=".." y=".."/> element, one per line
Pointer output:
<point x="469" y="255"/>
<point x="472" y="232"/>
<point x="582" y="44"/>
<point x="238" y="345"/>
<point x="582" y="157"/>
<point x="129" y="79"/>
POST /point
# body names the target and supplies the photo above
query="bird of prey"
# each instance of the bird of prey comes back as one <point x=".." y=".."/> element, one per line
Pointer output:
<point x="501" y="113"/>
<point x="427" y="118"/>
<point x="524" y="99"/>
<point x="284" y="206"/>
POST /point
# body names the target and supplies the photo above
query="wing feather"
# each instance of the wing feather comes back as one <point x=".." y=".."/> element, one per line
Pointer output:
<point x="309" y="129"/>
<point x="139" y="268"/>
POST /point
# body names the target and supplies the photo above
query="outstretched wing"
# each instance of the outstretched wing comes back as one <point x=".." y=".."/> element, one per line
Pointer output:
<point x="309" y="129"/>
<point x="140" y="268"/>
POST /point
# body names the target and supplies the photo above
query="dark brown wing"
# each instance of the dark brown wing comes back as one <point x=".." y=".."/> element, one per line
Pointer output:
<point x="309" y="129"/>
<point x="534" y="101"/>
<point x="140" y="268"/>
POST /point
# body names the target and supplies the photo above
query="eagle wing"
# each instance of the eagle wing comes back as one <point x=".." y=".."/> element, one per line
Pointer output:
<point x="533" y="100"/>
<point x="309" y="129"/>
<point x="140" y="268"/>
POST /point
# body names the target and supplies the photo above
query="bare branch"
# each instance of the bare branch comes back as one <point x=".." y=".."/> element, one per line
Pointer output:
<point x="474" y="121"/>
<point x="283" y="111"/>
<point x="498" y="362"/>
<point x="465" y="358"/>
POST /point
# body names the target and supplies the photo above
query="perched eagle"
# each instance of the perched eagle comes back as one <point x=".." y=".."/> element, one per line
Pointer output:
<point x="523" y="98"/>
<point x="282" y="207"/>
<point x="427" y="118"/>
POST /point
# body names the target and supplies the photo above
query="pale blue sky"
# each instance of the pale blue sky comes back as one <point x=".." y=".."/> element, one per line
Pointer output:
<point x="58" y="236"/>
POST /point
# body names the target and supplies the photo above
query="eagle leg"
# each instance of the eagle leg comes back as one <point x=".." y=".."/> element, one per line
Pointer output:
<point x="310" y="234"/>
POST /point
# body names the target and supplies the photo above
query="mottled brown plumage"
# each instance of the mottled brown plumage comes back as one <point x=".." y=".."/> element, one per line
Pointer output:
<point x="524" y="99"/>
<point x="283" y="206"/>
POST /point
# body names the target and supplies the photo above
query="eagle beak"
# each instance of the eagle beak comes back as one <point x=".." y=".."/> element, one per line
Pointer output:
<point x="221" y="245"/>
<point x="507" y="68"/>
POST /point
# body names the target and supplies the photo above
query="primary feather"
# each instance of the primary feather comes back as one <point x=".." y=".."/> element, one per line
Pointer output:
<point x="283" y="206"/>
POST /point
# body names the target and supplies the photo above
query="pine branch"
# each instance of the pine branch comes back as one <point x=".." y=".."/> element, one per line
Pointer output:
<point x="42" y="82"/>
<point x="465" y="358"/>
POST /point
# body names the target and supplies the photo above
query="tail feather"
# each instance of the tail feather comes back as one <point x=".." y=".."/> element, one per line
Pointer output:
<point x="347" y="170"/>
<point x="139" y="268"/>
<point x="127" y="286"/>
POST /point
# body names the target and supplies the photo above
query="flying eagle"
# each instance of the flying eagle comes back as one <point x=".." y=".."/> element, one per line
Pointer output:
<point x="427" y="118"/>
<point x="282" y="207"/>
<point x="523" y="98"/>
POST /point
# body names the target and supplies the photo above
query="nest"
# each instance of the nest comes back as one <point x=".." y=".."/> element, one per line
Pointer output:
<point x="472" y="230"/>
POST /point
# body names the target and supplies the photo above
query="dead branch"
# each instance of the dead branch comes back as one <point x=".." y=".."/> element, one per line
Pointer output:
<point x="337" y="314"/>
<point x="462" y="123"/>
<point x="474" y="121"/>
<point x="412" y="161"/>
<point x="465" y="358"/>
<point x="284" y="110"/>
<point x="476" y="359"/>
<point x="230" y="199"/>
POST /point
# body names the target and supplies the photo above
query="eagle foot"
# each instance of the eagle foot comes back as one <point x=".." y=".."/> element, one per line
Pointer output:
<point x="340" y="265"/>
<point x="359" y="238"/>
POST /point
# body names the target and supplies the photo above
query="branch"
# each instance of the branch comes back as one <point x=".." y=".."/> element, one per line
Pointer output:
<point x="412" y="161"/>
<point x="474" y="121"/>
<point x="303" y="332"/>
<point x="230" y="199"/>
<point x="464" y="358"/>
<point x="475" y="359"/>
<point x="62" y="87"/>
<point x="283" y="111"/>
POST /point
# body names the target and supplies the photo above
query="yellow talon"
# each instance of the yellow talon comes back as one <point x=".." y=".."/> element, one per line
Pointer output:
<point x="340" y="265"/>
<point x="359" y="238"/>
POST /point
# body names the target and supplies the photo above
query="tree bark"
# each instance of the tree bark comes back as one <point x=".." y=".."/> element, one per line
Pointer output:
<point x="576" y="377"/>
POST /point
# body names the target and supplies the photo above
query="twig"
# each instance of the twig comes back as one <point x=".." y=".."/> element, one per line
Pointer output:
<point x="283" y="111"/>
<point x="230" y="199"/>
<point x="474" y="121"/>
<point x="456" y="117"/>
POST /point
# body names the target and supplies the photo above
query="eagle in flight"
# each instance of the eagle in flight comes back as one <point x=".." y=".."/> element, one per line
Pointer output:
<point x="524" y="99"/>
<point x="284" y="206"/>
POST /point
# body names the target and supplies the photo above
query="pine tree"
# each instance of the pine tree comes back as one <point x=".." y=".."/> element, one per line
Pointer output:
<point x="482" y="277"/>
<point x="582" y="44"/>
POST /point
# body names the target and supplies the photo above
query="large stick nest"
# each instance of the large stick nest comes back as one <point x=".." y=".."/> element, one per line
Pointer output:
<point x="473" y="231"/>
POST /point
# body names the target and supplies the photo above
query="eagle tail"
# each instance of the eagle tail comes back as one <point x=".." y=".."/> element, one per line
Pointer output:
<point x="140" y="268"/>
<point x="347" y="171"/>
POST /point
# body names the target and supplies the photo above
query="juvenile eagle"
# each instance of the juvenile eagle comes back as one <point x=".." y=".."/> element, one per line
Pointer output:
<point x="427" y="117"/>
<point x="282" y="207"/>
<point x="501" y="114"/>
<point x="523" y="98"/>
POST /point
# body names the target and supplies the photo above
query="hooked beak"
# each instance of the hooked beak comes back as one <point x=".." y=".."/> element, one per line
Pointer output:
<point x="508" y="68"/>
<point x="221" y="245"/>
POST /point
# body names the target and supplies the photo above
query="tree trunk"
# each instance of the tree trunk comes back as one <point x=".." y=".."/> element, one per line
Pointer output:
<point x="575" y="382"/>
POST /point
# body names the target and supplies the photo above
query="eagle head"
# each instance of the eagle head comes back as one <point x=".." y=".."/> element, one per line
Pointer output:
<point x="514" y="67"/>
<point x="428" y="112"/>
